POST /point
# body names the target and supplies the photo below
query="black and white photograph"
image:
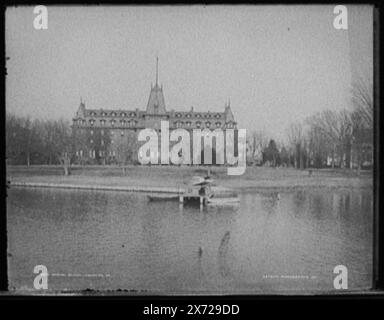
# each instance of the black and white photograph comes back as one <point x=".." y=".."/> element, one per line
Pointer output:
<point x="190" y="150"/>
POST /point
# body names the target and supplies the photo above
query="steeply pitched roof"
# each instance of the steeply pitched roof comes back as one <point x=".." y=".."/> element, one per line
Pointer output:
<point x="156" y="102"/>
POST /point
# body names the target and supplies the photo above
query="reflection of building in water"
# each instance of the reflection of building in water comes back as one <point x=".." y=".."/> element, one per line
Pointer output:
<point x="105" y="135"/>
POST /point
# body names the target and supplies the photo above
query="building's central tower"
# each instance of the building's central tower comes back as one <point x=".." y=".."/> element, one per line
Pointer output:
<point x="156" y="103"/>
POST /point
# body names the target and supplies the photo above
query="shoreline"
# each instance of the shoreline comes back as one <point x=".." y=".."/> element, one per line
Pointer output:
<point x="174" y="179"/>
<point x="96" y="187"/>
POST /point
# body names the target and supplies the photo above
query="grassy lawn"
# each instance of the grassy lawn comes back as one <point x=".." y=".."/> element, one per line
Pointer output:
<point x="173" y="176"/>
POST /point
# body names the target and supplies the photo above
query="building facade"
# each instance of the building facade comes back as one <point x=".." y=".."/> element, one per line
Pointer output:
<point x="107" y="136"/>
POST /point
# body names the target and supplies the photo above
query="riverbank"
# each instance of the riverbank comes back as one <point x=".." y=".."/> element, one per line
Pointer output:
<point x="172" y="178"/>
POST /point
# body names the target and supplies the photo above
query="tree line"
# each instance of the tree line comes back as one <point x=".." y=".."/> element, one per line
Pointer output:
<point x="328" y="138"/>
<point x="36" y="141"/>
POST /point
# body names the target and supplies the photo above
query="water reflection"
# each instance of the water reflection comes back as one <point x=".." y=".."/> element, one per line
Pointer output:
<point x="159" y="246"/>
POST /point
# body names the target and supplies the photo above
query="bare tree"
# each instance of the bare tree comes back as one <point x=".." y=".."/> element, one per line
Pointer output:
<point x="296" y="139"/>
<point x="258" y="141"/>
<point x="362" y="119"/>
<point x="362" y="98"/>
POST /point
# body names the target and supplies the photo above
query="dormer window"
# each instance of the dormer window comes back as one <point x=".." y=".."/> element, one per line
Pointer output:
<point x="198" y="115"/>
<point x="91" y="122"/>
<point x="132" y="114"/>
<point x="208" y="124"/>
<point x="122" y="114"/>
<point x="113" y="114"/>
<point x="188" y="115"/>
<point x="198" y="124"/>
<point x="218" y="116"/>
<point x="218" y="124"/>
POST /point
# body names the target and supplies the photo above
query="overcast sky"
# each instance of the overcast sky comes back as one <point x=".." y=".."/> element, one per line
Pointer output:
<point x="277" y="64"/>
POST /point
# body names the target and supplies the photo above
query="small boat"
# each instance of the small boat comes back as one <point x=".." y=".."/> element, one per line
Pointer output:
<point x="200" y="181"/>
<point x="163" y="197"/>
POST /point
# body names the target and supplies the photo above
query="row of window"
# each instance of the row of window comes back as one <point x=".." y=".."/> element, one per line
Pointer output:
<point x="123" y="123"/>
<point x="113" y="114"/>
<point x="177" y="124"/>
<point x="180" y="124"/>
<point x="92" y="153"/>
<point x="102" y="133"/>
<point x="198" y="115"/>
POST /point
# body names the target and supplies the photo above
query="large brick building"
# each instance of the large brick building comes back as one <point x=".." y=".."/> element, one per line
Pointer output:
<point x="107" y="136"/>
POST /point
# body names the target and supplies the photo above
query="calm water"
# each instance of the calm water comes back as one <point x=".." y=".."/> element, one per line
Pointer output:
<point x="109" y="240"/>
